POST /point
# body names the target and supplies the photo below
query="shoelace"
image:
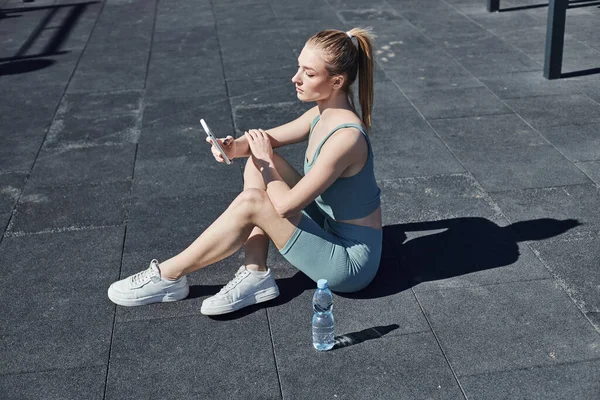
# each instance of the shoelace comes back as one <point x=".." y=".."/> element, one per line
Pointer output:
<point x="231" y="284"/>
<point x="141" y="276"/>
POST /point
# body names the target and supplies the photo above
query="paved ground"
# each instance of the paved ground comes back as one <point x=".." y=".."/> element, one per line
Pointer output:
<point x="489" y="287"/>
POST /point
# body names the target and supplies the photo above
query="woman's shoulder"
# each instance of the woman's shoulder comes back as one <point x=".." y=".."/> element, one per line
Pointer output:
<point x="343" y="117"/>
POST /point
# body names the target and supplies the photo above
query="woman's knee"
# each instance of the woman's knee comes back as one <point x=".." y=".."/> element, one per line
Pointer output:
<point x="250" y="202"/>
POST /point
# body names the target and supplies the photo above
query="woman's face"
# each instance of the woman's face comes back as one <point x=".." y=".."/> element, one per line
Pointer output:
<point x="312" y="80"/>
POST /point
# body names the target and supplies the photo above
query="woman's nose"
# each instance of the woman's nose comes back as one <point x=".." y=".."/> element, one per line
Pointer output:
<point x="295" y="78"/>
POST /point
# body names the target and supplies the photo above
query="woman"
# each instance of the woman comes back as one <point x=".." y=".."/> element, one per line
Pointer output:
<point x="326" y="223"/>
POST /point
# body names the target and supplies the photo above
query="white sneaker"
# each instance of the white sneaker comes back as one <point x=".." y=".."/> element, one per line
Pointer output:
<point x="245" y="289"/>
<point x="147" y="287"/>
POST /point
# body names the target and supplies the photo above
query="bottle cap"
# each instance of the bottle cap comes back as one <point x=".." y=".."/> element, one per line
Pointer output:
<point x="322" y="283"/>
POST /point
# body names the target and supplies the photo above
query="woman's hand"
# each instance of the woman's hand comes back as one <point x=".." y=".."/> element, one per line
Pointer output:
<point x="228" y="145"/>
<point x="260" y="147"/>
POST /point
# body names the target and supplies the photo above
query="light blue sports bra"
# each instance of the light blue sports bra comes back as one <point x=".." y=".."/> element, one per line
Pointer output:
<point x="349" y="197"/>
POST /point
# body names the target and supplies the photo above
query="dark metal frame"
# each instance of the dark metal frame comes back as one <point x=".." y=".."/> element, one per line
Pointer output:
<point x="555" y="35"/>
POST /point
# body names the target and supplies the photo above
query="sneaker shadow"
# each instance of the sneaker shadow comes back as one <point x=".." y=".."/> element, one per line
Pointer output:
<point x="289" y="288"/>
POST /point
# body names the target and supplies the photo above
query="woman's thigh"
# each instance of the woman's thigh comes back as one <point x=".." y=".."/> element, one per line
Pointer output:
<point x="288" y="173"/>
<point x="321" y="255"/>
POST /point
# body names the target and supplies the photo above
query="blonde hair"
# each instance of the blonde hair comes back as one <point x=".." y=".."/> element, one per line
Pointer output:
<point x="343" y="57"/>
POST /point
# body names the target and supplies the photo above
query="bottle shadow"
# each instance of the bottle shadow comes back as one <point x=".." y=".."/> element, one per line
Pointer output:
<point x="350" y="339"/>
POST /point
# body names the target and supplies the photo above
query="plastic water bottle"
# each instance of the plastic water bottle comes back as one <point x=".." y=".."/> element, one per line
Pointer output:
<point x="322" y="322"/>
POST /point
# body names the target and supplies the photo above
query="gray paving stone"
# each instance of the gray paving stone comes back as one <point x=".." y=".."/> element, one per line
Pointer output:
<point x="179" y="176"/>
<point x="369" y="16"/>
<point x="454" y="27"/>
<point x="557" y="110"/>
<point x="198" y="76"/>
<point x="11" y="186"/>
<point x="183" y="16"/>
<point x="562" y="203"/>
<point x="71" y="207"/>
<point x="577" y="142"/>
<point x="589" y="85"/>
<point x="509" y="168"/>
<point x="69" y="130"/>
<point x="591" y="169"/>
<point x="480" y="47"/>
<point x="500" y="327"/>
<point x="59" y="316"/>
<point x="454" y="103"/>
<point x="198" y="41"/>
<point x="404" y="145"/>
<point x="171" y="127"/>
<point x="561" y="381"/>
<point x="532" y="42"/>
<point x="177" y="347"/>
<point x="242" y="46"/>
<point x="493" y="64"/>
<point x="403" y="43"/>
<point x="250" y="92"/>
<point x="526" y="84"/>
<point x="68" y="166"/>
<point x="384" y="368"/>
<point x="299" y="12"/>
<point x="17" y="153"/>
<point x="275" y="66"/>
<point x="267" y="116"/>
<point x="388" y="95"/>
<point x="35" y="105"/>
<point x="4" y="219"/>
<point x="66" y="384"/>
<point x="492" y="131"/>
<point x="445" y="73"/>
<point x="100" y="72"/>
<point x="506" y="22"/>
<point x="100" y="104"/>
<point x="573" y="260"/>
<point x="435" y="198"/>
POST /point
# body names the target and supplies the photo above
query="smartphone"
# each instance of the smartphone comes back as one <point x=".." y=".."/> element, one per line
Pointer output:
<point x="215" y="141"/>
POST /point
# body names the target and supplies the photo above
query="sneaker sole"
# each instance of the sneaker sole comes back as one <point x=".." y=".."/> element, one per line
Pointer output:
<point x="158" y="298"/>
<point x="258" y="297"/>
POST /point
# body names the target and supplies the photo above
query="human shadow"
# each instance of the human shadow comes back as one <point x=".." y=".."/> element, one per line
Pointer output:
<point x="451" y="247"/>
<point x="441" y="249"/>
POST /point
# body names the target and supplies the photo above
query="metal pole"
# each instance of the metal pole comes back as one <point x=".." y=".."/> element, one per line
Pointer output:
<point x="493" y="5"/>
<point x="555" y="38"/>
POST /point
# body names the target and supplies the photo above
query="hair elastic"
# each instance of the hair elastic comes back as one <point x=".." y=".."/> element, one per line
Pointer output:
<point x="349" y="35"/>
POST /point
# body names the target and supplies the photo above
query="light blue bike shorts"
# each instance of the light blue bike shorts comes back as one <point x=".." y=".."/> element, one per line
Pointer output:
<point x="346" y="255"/>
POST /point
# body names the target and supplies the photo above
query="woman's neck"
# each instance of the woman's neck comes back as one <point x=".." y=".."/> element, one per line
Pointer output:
<point x="336" y="101"/>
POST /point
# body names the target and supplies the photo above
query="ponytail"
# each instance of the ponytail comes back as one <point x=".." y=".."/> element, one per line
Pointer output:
<point x="343" y="57"/>
<point x="364" y="39"/>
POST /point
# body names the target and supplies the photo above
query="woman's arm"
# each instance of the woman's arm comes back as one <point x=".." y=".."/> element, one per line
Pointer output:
<point x="339" y="152"/>
<point x="292" y="132"/>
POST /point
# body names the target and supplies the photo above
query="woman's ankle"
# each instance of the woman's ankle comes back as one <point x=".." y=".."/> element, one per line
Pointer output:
<point x="169" y="273"/>
<point x="256" y="268"/>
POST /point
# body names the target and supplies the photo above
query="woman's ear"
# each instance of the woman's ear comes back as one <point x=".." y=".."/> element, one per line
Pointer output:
<point x="338" y="82"/>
